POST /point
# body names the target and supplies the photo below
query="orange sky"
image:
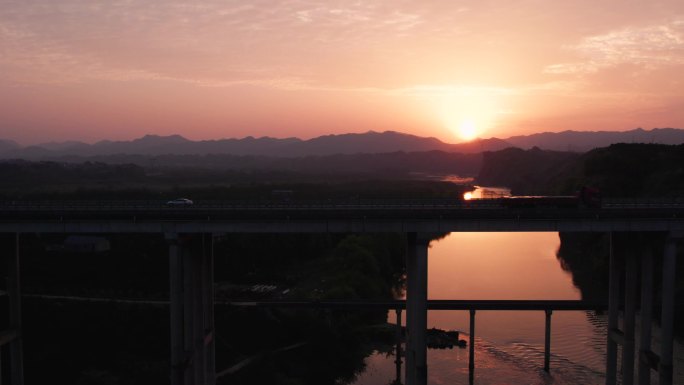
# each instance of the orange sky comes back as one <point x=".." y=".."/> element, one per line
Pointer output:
<point x="118" y="69"/>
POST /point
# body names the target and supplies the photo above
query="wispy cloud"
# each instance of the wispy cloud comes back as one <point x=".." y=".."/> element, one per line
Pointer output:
<point x="211" y="39"/>
<point x="650" y="47"/>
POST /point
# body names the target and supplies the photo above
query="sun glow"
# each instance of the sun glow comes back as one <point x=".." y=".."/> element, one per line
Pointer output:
<point x="467" y="112"/>
<point x="467" y="130"/>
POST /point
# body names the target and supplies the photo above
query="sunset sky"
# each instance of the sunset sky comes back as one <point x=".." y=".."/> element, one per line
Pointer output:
<point x="119" y="69"/>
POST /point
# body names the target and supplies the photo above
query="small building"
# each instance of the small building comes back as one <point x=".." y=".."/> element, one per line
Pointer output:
<point x="281" y="195"/>
<point x="86" y="244"/>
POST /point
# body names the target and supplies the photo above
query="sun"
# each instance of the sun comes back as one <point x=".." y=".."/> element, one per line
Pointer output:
<point x="467" y="112"/>
<point x="467" y="130"/>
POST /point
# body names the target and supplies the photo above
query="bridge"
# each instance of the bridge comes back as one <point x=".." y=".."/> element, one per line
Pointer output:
<point x="190" y="230"/>
<point x="397" y="215"/>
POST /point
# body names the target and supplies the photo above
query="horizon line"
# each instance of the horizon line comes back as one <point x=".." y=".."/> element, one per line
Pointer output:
<point x="39" y="144"/>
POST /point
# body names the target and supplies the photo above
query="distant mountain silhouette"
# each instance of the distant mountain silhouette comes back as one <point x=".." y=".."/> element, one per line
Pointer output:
<point x="8" y="145"/>
<point x="62" y="146"/>
<point x="154" y="145"/>
<point x="583" y="141"/>
<point x="362" y="143"/>
<point x="481" y="145"/>
<point x="369" y="142"/>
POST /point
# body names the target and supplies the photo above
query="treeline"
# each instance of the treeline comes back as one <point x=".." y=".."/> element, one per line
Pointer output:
<point x="620" y="170"/>
<point x="635" y="170"/>
<point x="528" y="172"/>
<point x="391" y="164"/>
<point x="221" y="176"/>
<point x="345" y="176"/>
<point x="22" y="174"/>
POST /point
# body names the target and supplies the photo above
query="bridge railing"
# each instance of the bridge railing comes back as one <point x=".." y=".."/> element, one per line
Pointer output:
<point x="643" y="202"/>
<point x="320" y="204"/>
<point x="235" y="204"/>
<point x="472" y="306"/>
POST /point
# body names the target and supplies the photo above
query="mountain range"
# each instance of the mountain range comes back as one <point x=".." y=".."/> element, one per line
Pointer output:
<point x="368" y="143"/>
<point x="583" y="141"/>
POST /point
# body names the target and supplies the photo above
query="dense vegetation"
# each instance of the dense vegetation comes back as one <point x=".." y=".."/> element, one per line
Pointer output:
<point x="620" y="170"/>
<point x="527" y="172"/>
<point x="145" y="176"/>
<point x="121" y="343"/>
<point x="635" y="170"/>
<point x="100" y="181"/>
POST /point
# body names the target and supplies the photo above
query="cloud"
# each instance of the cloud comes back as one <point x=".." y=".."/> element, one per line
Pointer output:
<point x="650" y="47"/>
<point x="74" y="40"/>
<point x="211" y="43"/>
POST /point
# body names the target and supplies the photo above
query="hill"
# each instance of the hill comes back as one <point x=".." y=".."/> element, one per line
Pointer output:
<point x="154" y="145"/>
<point x="370" y="142"/>
<point x="527" y="172"/>
<point x="619" y="170"/>
<point x="583" y="141"/>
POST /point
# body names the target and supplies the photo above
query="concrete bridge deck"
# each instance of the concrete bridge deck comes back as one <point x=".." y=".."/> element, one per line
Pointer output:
<point x="432" y="216"/>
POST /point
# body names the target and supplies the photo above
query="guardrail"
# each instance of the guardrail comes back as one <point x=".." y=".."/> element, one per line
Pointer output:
<point x="334" y="203"/>
<point x="547" y="306"/>
<point x="472" y="306"/>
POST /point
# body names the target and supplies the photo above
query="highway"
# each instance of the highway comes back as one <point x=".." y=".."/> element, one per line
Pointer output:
<point x="341" y="216"/>
<point x="368" y="208"/>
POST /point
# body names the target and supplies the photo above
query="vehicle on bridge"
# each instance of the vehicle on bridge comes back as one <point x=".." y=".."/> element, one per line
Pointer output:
<point x="180" y="202"/>
<point x="586" y="197"/>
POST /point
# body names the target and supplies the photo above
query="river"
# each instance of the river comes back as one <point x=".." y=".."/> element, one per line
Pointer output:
<point x="509" y="344"/>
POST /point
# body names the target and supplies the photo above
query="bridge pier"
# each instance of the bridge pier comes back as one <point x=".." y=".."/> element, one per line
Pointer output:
<point x="398" y="347"/>
<point x="645" y="354"/>
<point x="623" y="265"/>
<point x="647" y="358"/>
<point x="192" y="309"/>
<point x="667" y="314"/>
<point x="13" y="336"/>
<point x="629" y="317"/>
<point x="614" y="271"/>
<point x="416" y="308"/>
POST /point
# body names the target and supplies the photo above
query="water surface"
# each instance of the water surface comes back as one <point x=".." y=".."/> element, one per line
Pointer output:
<point x="509" y="344"/>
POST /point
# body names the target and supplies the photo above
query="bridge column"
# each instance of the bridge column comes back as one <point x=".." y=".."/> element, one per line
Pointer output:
<point x="16" y="350"/>
<point x="398" y="347"/>
<point x="613" y="309"/>
<point x="192" y="309"/>
<point x="667" y="315"/>
<point x="471" y="347"/>
<point x="416" y="308"/>
<point x="176" y="309"/>
<point x="208" y="304"/>
<point x="645" y="352"/>
<point x="623" y="260"/>
<point x="628" y="318"/>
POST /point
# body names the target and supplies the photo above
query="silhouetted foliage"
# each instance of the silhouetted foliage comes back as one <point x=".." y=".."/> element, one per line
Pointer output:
<point x="636" y="170"/>
<point x="118" y="343"/>
<point x="526" y="172"/>
<point x="620" y="170"/>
